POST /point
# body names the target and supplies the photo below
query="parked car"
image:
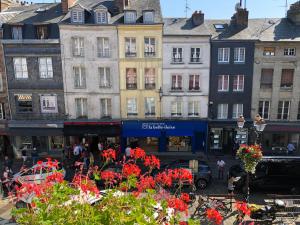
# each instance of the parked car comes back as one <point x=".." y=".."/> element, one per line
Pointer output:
<point x="201" y="178"/>
<point x="37" y="173"/>
<point x="272" y="173"/>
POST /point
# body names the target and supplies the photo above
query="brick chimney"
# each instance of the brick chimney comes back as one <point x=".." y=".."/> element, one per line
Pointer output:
<point x="293" y="14"/>
<point x="198" y="18"/>
<point x="240" y="18"/>
<point x="66" y="4"/>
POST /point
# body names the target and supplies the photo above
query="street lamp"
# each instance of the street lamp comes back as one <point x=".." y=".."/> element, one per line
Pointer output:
<point x="259" y="125"/>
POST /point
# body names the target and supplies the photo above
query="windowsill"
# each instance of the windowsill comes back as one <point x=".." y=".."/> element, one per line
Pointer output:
<point x="149" y="55"/>
<point x="177" y="62"/>
<point x="223" y="62"/>
<point x="49" y="113"/>
<point x="196" y="62"/>
<point x="176" y="115"/>
<point x="150" y="115"/>
<point x="79" y="87"/>
<point x="237" y="91"/>
<point x="21" y="78"/>
<point x="194" y="90"/>
<point x="193" y="115"/>
<point x="132" y="114"/>
<point x="103" y="56"/>
<point x="223" y="91"/>
<point x="106" y="87"/>
<point x="266" y="87"/>
<point x="49" y="78"/>
<point x="268" y="55"/>
<point x="78" y="56"/>
<point x="289" y="56"/>
<point x="286" y="88"/>
<point x="176" y="90"/>
<point x="239" y="62"/>
<point x="131" y="55"/>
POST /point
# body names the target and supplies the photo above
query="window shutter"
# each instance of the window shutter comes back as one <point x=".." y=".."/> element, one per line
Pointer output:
<point x="287" y="77"/>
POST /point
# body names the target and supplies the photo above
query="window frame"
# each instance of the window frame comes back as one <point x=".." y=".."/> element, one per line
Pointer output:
<point x="131" y="52"/>
<point x="287" y="85"/>
<point x="106" y="77"/>
<point x="269" y="51"/>
<point x="195" y="107"/>
<point x="99" y="15"/>
<point x="19" y="33"/>
<point x="47" y="66"/>
<point x="81" y="76"/>
<point x="23" y="65"/>
<point x="130" y="17"/>
<point x="150" y="77"/>
<point x="281" y="113"/>
<point x="47" y="111"/>
<point x="222" y="55"/>
<point x="108" y="107"/>
<point x="83" y="107"/>
<point x="178" y="106"/>
<point x="238" y="57"/>
<point x="237" y="110"/>
<point x="287" y="51"/>
<point x="147" y="21"/>
<point x="131" y="85"/>
<point x="176" y="87"/>
<point x="42" y="30"/>
<point x="265" y="84"/>
<point x="195" y="59"/>
<point x="222" y="89"/>
<point x="263" y="107"/>
<point x="103" y="52"/>
<point x="2" y="111"/>
<point x="150" y="53"/>
<point x="79" y="16"/>
<point x="194" y="79"/>
<point x="222" y="115"/>
<point x="77" y="46"/>
<point x="134" y="107"/>
<point x="236" y="86"/>
<point x="28" y="107"/>
<point x="176" y="53"/>
<point x="152" y="113"/>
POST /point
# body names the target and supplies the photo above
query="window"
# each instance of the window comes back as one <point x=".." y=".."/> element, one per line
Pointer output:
<point x="219" y="26"/>
<point x="48" y="103"/>
<point x="101" y="17"/>
<point x="269" y="51"/>
<point x="78" y="46"/>
<point x="17" y="32"/>
<point x="130" y="17"/>
<point x="239" y="55"/>
<point x="237" y="110"/>
<point x="104" y="73"/>
<point x="79" y="77"/>
<point x="283" y="110"/>
<point x="289" y="52"/>
<point x="149" y="106"/>
<point x="263" y="109"/>
<point x="150" y="78"/>
<point x="176" y="109"/>
<point x="131" y="107"/>
<point x="81" y="108"/>
<point x="287" y="78"/>
<point x="223" y="83"/>
<point x="223" y="55"/>
<point x="298" y="115"/>
<point x="42" y="32"/>
<point x="195" y="55"/>
<point x="77" y="16"/>
<point x="266" y="80"/>
<point x="177" y="55"/>
<point x="238" y="83"/>
<point x="194" y="83"/>
<point x="24" y="103"/>
<point x="149" y="47"/>
<point x="105" y="107"/>
<point x="130" y="47"/>
<point x="20" y="67"/>
<point x="45" y="66"/>
<point x="103" y="47"/>
<point x="131" y="78"/>
<point x="2" y="112"/>
<point x="148" y="17"/>
<point x="193" y="108"/>
<point x="176" y="82"/>
<point x="222" y="111"/>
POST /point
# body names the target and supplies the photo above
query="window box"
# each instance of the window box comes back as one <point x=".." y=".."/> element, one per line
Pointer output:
<point x="131" y="86"/>
<point x="149" y="86"/>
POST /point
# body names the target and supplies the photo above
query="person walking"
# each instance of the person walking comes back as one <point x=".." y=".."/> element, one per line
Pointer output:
<point x="7" y="162"/>
<point x="127" y="151"/>
<point x="24" y="155"/>
<point x="34" y="156"/>
<point x="221" y="168"/>
<point x="290" y="148"/>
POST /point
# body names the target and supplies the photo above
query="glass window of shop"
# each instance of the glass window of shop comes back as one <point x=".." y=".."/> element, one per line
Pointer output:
<point x="179" y="144"/>
<point x="149" y="144"/>
<point x="56" y="143"/>
<point x="274" y="141"/>
<point x="216" y="138"/>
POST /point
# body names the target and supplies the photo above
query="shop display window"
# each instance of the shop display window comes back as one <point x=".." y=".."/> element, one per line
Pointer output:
<point x="56" y="142"/>
<point x="176" y="143"/>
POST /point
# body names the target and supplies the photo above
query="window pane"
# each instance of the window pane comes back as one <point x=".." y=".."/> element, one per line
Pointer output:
<point x="287" y="78"/>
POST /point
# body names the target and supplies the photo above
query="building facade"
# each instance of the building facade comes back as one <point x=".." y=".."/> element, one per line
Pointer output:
<point x="34" y="79"/>
<point x="276" y="94"/>
<point x="231" y="75"/>
<point x="89" y="42"/>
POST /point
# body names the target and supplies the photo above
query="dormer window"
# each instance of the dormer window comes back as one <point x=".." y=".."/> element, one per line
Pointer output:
<point x="42" y="32"/>
<point x="130" y="16"/>
<point x="101" y="17"/>
<point x="77" y="16"/>
<point x="148" y="16"/>
<point x="17" y="32"/>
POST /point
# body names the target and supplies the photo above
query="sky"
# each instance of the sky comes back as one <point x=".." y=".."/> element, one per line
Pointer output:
<point x="220" y="9"/>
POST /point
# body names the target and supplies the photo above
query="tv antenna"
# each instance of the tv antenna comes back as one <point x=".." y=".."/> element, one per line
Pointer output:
<point x="186" y="8"/>
<point x="285" y="6"/>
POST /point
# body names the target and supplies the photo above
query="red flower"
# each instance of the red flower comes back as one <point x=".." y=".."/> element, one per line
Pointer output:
<point x="152" y="162"/>
<point x="182" y="175"/>
<point x="55" y="177"/>
<point x="109" y="154"/>
<point x="183" y="223"/>
<point x="137" y="153"/>
<point x="131" y="170"/>
<point x="185" y="197"/>
<point x="164" y="179"/>
<point x="39" y="163"/>
<point x="85" y="184"/>
<point x="110" y="176"/>
<point x="145" y="183"/>
<point x="214" y="216"/>
<point x="242" y="207"/>
<point x="177" y="204"/>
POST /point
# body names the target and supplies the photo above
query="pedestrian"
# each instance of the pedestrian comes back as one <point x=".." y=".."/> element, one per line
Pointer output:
<point x="76" y="152"/>
<point x="24" y="155"/>
<point x="291" y="148"/>
<point x="231" y="181"/>
<point x="7" y="162"/>
<point x="221" y="167"/>
<point x="127" y="151"/>
<point x="6" y="179"/>
<point x="100" y="147"/>
<point x="34" y="156"/>
<point x="86" y="159"/>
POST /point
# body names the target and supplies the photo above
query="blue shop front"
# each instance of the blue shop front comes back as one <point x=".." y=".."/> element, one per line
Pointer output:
<point x="165" y="136"/>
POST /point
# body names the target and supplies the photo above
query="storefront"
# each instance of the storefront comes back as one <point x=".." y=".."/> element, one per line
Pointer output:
<point x="91" y="133"/>
<point x="165" y="136"/>
<point x="46" y="138"/>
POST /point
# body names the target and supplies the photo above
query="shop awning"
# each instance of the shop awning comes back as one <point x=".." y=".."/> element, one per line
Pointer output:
<point x="295" y="127"/>
<point x="106" y="129"/>
<point x="36" y="131"/>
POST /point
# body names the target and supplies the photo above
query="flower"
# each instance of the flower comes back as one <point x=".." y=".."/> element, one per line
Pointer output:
<point x="164" y="179"/>
<point x="137" y="153"/>
<point x="177" y="204"/>
<point x="109" y="154"/>
<point x="182" y="175"/>
<point x="110" y="176"/>
<point x="242" y="207"/>
<point x="131" y="170"/>
<point x="214" y="216"/>
<point x="85" y="184"/>
<point x="55" y="177"/>
<point x="185" y="197"/>
<point x="152" y="162"/>
<point x="145" y="183"/>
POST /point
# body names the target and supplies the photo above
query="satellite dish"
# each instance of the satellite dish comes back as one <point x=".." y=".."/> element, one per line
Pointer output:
<point x="237" y="6"/>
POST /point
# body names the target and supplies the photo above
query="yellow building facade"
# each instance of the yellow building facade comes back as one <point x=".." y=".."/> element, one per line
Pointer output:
<point x="140" y="65"/>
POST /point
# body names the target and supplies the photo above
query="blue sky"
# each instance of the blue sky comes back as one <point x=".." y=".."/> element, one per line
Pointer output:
<point x="220" y="9"/>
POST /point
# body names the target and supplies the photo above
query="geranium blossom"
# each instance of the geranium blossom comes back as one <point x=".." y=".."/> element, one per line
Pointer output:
<point x="164" y="179"/>
<point x="145" y="183"/>
<point x="110" y="176"/>
<point x="185" y="197"/>
<point x="177" y="204"/>
<point x="214" y="216"/>
<point x="242" y="207"/>
<point x="131" y="170"/>
<point x="137" y="153"/>
<point x="152" y="162"/>
<point x="109" y="154"/>
<point x="182" y="175"/>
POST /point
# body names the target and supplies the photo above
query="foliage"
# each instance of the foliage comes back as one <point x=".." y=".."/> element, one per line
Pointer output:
<point x="250" y="155"/>
<point x="131" y="196"/>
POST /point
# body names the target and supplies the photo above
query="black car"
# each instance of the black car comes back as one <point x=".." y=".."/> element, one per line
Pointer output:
<point x="272" y="173"/>
<point x="201" y="178"/>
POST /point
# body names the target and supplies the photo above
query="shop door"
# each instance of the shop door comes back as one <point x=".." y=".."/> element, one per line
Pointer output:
<point x="228" y="137"/>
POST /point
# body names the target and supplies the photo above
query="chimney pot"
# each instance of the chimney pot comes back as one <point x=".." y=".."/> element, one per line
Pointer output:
<point x="66" y="4"/>
<point x="240" y="18"/>
<point x="198" y="18"/>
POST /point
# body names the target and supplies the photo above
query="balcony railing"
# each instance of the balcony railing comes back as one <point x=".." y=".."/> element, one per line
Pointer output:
<point x="195" y="60"/>
<point x="149" y="54"/>
<point x="150" y="86"/>
<point x="176" y="114"/>
<point x="194" y="88"/>
<point x="130" y="54"/>
<point x="151" y="114"/>
<point x="177" y="60"/>
<point x="193" y="114"/>
<point x="103" y="53"/>
<point x="176" y="88"/>
<point x="131" y="86"/>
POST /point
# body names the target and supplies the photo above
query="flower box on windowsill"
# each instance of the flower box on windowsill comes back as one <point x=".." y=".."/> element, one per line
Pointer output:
<point x="149" y="86"/>
<point x="131" y="86"/>
<point x="286" y="88"/>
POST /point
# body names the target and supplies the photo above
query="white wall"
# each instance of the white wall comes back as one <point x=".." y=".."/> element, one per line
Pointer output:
<point x="91" y="63"/>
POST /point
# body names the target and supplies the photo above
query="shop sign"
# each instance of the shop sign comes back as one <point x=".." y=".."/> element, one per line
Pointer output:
<point x="157" y="126"/>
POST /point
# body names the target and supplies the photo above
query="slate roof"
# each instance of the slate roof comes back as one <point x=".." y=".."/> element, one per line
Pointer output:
<point x="6" y="16"/>
<point x="34" y="13"/>
<point x="266" y="29"/>
<point x="116" y="17"/>
<point x="184" y="26"/>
